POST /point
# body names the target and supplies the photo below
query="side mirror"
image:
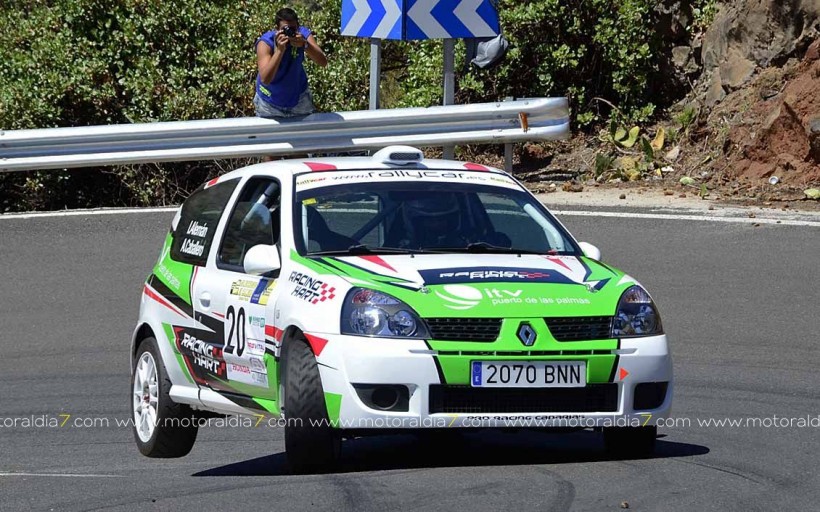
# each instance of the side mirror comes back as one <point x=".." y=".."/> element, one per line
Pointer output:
<point x="262" y="259"/>
<point x="590" y="251"/>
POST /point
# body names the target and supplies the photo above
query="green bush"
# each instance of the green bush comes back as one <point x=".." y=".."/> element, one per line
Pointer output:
<point x="89" y="62"/>
<point x="581" y="48"/>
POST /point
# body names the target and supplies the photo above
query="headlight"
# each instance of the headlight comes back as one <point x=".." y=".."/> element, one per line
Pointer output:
<point x="636" y="315"/>
<point x="371" y="313"/>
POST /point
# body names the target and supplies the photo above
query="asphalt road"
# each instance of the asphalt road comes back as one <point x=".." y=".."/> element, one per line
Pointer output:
<point x="740" y="304"/>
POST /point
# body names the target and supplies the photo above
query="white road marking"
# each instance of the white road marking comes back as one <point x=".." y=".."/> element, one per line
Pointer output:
<point x="61" y="475"/>
<point x="80" y="213"/>
<point x="695" y="217"/>
<point x="790" y="219"/>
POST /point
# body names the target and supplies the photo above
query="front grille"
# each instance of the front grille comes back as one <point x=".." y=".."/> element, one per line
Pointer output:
<point x="466" y="399"/>
<point x="580" y="328"/>
<point x="464" y="329"/>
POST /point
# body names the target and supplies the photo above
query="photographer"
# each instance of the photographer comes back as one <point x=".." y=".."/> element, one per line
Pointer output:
<point x="281" y="84"/>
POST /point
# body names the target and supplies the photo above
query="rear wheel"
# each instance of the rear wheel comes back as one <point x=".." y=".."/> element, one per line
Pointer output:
<point x="623" y="442"/>
<point x="162" y="428"/>
<point x="311" y="443"/>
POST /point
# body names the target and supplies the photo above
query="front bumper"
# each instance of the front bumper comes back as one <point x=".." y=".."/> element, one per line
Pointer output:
<point x="348" y="362"/>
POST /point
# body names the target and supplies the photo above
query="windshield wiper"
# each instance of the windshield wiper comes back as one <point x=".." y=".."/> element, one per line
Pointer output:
<point x="358" y="249"/>
<point x="478" y="247"/>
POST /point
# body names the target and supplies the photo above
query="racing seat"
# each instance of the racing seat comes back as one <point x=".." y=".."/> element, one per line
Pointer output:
<point x="320" y="233"/>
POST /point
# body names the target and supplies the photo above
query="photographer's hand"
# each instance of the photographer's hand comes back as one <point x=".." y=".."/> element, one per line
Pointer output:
<point x="298" y="41"/>
<point x="282" y="41"/>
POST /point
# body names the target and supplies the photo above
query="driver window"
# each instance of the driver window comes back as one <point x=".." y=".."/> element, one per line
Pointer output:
<point x="255" y="220"/>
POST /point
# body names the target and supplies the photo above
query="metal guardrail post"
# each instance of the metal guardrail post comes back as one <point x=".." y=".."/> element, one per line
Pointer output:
<point x="508" y="157"/>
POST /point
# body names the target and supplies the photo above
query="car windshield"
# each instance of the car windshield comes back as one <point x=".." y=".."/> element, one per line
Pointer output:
<point x="424" y="217"/>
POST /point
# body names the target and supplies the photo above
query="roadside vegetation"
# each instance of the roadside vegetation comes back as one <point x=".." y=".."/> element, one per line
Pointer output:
<point x="90" y="62"/>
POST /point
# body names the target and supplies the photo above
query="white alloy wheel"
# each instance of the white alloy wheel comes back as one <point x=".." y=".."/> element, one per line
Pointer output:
<point x="145" y="396"/>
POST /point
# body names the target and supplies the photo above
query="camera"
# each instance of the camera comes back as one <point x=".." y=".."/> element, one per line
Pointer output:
<point x="289" y="31"/>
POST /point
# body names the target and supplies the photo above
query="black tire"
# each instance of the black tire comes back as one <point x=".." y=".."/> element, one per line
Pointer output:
<point x="311" y="444"/>
<point x="630" y="442"/>
<point x="176" y="426"/>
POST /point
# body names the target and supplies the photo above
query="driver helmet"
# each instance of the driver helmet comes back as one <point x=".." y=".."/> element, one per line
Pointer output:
<point x="435" y="214"/>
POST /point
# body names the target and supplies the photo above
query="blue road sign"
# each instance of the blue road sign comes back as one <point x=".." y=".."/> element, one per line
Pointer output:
<point x="419" y="19"/>
<point x="381" y="19"/>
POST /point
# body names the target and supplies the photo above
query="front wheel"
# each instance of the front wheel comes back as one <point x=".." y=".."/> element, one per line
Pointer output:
<point x="311" y="443"/>
<point x="624" y="442"/>
<point x="162" y="428"/>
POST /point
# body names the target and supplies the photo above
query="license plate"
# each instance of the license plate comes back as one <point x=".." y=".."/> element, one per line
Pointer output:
<point x="528" y="374"/>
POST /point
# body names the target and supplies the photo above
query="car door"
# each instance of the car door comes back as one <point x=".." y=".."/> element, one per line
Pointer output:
<point x="243" y="303"/>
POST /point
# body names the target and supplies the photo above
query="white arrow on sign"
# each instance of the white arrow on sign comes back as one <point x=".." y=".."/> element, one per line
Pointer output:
<point x="358" y="19"/>
<point x="422" y="16"/>
<point x="467" y="12"/>
<point x="391" y="16"/>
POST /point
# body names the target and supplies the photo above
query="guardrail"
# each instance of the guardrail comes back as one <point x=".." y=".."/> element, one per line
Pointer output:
<point x="501" y="122"/>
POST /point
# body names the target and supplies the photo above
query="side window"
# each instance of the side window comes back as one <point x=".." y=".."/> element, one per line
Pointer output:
<point x="254" y="220"/>
<point x="198" y="220"/>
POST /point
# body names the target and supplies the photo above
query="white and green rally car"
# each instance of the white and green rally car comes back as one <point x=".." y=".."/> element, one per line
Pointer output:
<point x="377" y="294"/>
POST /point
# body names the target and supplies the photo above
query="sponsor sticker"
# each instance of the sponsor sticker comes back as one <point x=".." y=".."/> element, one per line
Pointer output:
<point x="307" y="181"/>
<point x="255" y="347"/>
<point x="253" y="291"/>
<point x="247" y="375"/>
<point x="260" y="379"/>
<point x="311" y="289"/>
<point x="204" y="356"/>
<point x="258" y="365"/>
<point x="459" y="296"/>
<point x="493" y="274"/>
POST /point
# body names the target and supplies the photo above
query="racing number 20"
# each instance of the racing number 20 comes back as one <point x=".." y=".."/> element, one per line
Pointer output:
<point x="236" y="335"/>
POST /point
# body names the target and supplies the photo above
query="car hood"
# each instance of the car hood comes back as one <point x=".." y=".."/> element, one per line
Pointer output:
<point x="488" y="285"/>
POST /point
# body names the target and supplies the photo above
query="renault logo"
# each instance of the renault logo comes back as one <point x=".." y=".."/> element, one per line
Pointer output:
<point x="526" y="334"/>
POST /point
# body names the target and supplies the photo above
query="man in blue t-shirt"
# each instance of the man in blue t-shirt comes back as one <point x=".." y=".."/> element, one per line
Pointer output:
<point x="281" y="84"/>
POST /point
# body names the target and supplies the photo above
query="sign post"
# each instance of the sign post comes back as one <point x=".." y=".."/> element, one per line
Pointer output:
<point x="449" y="85"/>
<point x="375" y="72"/>
<point x="413" y="20"/>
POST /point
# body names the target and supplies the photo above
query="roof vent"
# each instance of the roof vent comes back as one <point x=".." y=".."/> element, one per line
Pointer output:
<point x="399" y="155"/>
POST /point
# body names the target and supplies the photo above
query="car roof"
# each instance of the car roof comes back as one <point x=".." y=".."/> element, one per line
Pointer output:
<point x="295" y="167"/>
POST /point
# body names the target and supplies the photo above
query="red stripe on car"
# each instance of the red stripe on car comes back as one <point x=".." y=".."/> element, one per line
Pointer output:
<point x="318" y="166"/>
<point x="159" y="298"/>
<point x="316" y="343"/>
<point x="273" y="332"/>
<point x="378" y="261"/>
<point x="558" y="262"/>
<point x="475" y="167"/>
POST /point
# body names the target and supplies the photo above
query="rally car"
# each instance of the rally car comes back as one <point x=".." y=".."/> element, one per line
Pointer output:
<point x="385" y="294"/>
